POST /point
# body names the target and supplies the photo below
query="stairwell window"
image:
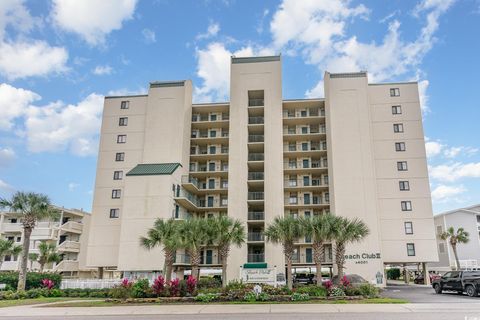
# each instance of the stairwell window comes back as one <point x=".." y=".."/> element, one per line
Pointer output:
<point x="114" y="213"/>
<point x="408" y="227"/>
<point x="120" y="156"/>
<point x="398" y="127"/>
<point x="396" y="110"/>
<point x="117" y="175"/>
<point x="406" y="205"/>
<point x="402" y="166"/>
<point x="404" y="185"/>
<point x="400" y="146"/>
<point x="394" y="92"/>
<point x="411" y="249"/>
<point x="116" y="193"/>
<point x="122" y="138"/>
<point x="125" y="105"/>
<point x="123" y="121"/>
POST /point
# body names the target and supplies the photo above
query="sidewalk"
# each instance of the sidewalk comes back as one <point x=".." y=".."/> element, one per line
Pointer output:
<point x="36" y="311"/>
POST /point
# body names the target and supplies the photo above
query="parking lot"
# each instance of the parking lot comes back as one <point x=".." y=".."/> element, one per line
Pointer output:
<point x="424" y="294"/>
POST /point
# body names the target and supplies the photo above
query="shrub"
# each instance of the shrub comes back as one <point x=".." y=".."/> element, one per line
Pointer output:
<point x="337" y="292"/>
<point x="123" y="290"/>
<point x="393" y="274"/>
<point x="158" y="286"/>
<point x="209" y="290"/>
<point x="207" y="283"/>
<point x="191" y="285"/>
<point x="328" y="285"/>
<point x="174" y="287"/>
<point x="48" y="283"/>
<point x="299" y="296"/>
<point x="34" y="293"/>
<point x="345" y="282"/>
<point x="313" y="291"/>
<point x="206" y="297"/>
<point x="141" y="289"/>
<point x="34" y="279"/>
<point x="280" y="290"/>
<point x="263" y="297"/>
<point x="368" y="290"/>
<point x="250" y="296"/>
<point x="235" y="285"/>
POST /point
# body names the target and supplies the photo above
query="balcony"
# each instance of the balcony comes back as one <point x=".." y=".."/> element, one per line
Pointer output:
<point x="213" y="153"/>
<point x="72" y="226"/>
<point x="256" y="138"/>
<point x="256" y="120"/>
<point x="256" y="102"/>
<point x="193" y="185"/>
<point x="181" y="259"/>
<point x="204" y="137"/>
<point x="312" y="132"/>
<point x="66" y="266"/>
<point x="204" y="121"/>
<point x="315" y="201"/>
<point x="12" y="227"/>
<point x="305" y="166"/>
<point x="304" y="113"/>
<point x="256" y="257"/>
<point x="69" y="246"/>
<point x="256" y="176"/>
<point x="255" y="196"/>
<point x="256" y="157"/>
<point x="256" y="237"/>
<point x="302" y="184"/>
<point x="256" y="216"/>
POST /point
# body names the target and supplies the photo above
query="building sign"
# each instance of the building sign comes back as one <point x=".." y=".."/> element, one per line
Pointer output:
<point x="362" y="258"/>
<point x="259" y="275"/>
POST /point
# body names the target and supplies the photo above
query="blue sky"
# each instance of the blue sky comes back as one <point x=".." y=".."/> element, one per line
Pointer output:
<point x="59" y="58"/>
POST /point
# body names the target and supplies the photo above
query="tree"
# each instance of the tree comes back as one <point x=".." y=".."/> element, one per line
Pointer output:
<point x="224" y="232"/>
<point x="320" y="230"/>
<point x="33" y="257"/>
<point x="194" y="235"/>
<point x="461" y="236"/>
<point x="32" y="207"/>
<point x="285" y="230"/>
<point x="165" y="234"/>
<point x="346" y="231"/>
<point x="48" y="254"/>
<point x="8" y="248"/>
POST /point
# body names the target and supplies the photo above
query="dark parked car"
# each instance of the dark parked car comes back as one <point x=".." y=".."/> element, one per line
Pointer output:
<point x="420" y="280"/>
<point x="304" y="278"/>
<point x="459" y="281"/>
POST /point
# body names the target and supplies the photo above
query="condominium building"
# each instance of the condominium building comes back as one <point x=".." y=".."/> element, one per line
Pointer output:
<point x="468" y="253"/>
<point x="358" y="152"/>
<point x="69" y="233"/>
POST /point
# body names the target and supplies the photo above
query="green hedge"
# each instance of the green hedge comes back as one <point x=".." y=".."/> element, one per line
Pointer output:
<point x="393" y="274"/>
<point x="34" y="279"/>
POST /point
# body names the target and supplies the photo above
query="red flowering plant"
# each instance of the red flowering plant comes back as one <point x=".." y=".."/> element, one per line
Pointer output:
<point x="345" y="283"/>
<point x="174" y="287"/>
<point x="48" y="283"/>
<point x="191" y="285"/>
<point x="328" y="285"/>
<point x="126" y="283"/>
<point x="158" y="286"/>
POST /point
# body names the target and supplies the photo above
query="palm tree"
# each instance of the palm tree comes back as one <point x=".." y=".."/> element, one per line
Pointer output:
<point x="32" y="207"/>
<point x="461" y="236"/>
<point x="48" y="254"/>
<point x="346" y="231"/>
<point x="224" y="232"/>
<point x="164" y="233"/>
<point x="8" y="248"/>
<point x="320" y="230"/>
<point x="33" y="257"/>
<point x="194" y="235"/>
<point x="285" y="230"/>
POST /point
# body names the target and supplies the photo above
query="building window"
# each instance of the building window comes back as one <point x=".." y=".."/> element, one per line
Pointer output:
<point x="114" y="213"/>
<point x="400" y="146"/>
<point x="116" y="193"/>
<point x="394" y="92"/>
<point x="410" y="249"/>
<point x="19" y="239"/>
<point x="439" y="230"/>
<point x="398" y="127"/>
<point x="441" y="248"/>
<point x="408" y="227"/>
<point x="117" y="175"/>
<point x="396" y="109"/>
<point x="213" y="134"/>
<point x="8" y="258"/>
<point x="213" y="117"/>
<point x="406" y="205"/>
<point x="404" y="185"/>
<point x="120" y="156"/>
<point x="123" y="121"/>
<point x="478" y="218"/>
<point x="125" y="105"/>
<point x="121" y="138"/>
<point x="402" y="166"/>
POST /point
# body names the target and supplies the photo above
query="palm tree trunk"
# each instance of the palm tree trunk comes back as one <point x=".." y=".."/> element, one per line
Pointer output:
<point x="22" y="275"/>
<point x="340" y="259"/>
<point x="457" y="262"/>
<point x="1" y="262"/>
<point x="289" y="272"/>
<point x="31" y="265"/>
<point x="42" y="265"/>
<point x="168" y="265"/>
<point x="195" y="262"/>
<point x="223" y="254"/>
<point x="318" y="258"/>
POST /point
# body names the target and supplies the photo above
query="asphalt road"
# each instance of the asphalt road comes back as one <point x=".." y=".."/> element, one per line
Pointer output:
<point x="425" y="294"/>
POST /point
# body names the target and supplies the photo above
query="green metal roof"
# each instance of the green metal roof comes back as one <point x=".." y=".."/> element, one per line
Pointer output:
<point x="163" y="84"/>
<point x="152" y="169"/>
<point x="258" y="265"/>
<point x="255" y="59"/>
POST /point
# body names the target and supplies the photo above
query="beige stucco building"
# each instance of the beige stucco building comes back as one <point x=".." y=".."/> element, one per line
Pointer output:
<point x="69" y="233"/>
<point x="359" y="152"/>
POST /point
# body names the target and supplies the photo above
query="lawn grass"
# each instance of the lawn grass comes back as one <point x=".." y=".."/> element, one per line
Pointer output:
<point x="24" y="302"/>
<point x="101" y="303"/>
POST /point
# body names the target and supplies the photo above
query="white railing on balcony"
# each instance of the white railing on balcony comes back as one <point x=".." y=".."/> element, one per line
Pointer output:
<point x="212" y="118"/>
<point x="311" y="112"/>
<point x="256" y="236"/>
<point x="69" y="245"/>
<point x="12" y="227"/>
<point x="89" y="283"/>
<point x="67" y="265"/>
<point x="306" y="164"/>
<point x="255" y="196"/>
<point x="73" y="226"/>
<point x="311" y="146"/>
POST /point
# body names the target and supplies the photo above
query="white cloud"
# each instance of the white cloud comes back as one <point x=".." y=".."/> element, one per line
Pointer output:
<point x="7" y="156"/>
<point x="72" y="186"/>
<point x="433" y="148"/>
<point x="93" y="20"/>
<point x="31" y="58"/>
<point x="5" y="186"/>
<point x="316" y="92"/>
<point x="444" y="193"/>
<point x="127" y="92"/>
<point x="15" y="14"/>
<point x="13" y="104"/>
<point x="212" y="30"/>
<point x="58" y="127"/>
<point x="422" y="92"/>
<point x="102" y="70"/>
<point x="452" y="152"/>
<point x="455" y="171"/>
<point x="149" y="36"/>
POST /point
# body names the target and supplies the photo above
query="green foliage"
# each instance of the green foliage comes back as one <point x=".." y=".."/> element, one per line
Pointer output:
<point x="337" y="292"/>
<point x="393" y="274"/>
<point x="121" y="292"/>
<point x="34" y="279"/>
<point x="207" y="283"/>
<point x="313" y="291"/>
<point x="369" y="290"/>
<point x="236" y="285"/>
<point x="250" y="297"/>
<point x="141" y="289"/>
<point x="300" y="296"/>
<point x="206" y="297"/>
<point x="274" y="291"/>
